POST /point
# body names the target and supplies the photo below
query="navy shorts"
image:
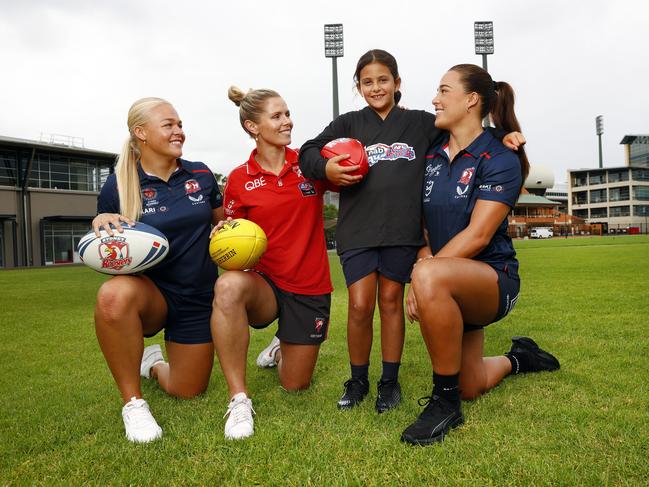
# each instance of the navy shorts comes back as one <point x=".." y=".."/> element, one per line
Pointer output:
<point x="509" y="286"/>
<point x="302" y="319"/>
<point x="188" y="317"/>
<point x="395" y="263"/>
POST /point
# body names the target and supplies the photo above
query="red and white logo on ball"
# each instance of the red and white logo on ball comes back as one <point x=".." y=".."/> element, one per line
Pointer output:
<point x="113" y="252"/>
<point x="191" y="186"/>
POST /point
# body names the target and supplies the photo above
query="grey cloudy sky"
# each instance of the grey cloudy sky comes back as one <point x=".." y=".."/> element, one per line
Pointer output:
<point x="74" y="66"/>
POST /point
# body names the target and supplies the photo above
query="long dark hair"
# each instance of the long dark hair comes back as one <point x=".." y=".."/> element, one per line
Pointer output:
<point x="497" y="99"/>
<point x="382" y="57"/>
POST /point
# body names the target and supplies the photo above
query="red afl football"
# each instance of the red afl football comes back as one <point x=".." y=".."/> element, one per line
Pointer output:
<point x="353" y="147"/>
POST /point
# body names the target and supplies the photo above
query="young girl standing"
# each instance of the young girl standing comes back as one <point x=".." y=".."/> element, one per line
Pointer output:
<point x="376" y="244"/>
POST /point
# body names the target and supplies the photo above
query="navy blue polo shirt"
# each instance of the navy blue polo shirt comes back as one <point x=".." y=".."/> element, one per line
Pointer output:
<point x="181" y="209"/>
<point x="485" y="170"/>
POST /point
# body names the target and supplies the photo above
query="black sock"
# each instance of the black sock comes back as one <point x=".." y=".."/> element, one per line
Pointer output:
<point x="390" y="371"/>
<point x="447" y="387"/>
<point x="520" y="362"/>
<point x="360" y="371"/>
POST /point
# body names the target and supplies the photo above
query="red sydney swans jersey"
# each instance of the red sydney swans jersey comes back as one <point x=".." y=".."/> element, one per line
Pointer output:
<point x="288" y="207"/>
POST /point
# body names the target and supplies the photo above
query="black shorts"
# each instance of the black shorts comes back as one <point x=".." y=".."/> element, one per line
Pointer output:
<point x="302" y="319"/>
<point x="395" y="263"/>
<point x="188" y="317"/>
<point x="509" y="286"/>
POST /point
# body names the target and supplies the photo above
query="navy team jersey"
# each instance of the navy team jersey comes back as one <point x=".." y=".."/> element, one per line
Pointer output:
<point x="486" y="170"/>
<point x="181" y="209"/>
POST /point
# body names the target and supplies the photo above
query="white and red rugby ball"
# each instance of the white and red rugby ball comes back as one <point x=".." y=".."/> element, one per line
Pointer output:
<point x="136" y="249"/>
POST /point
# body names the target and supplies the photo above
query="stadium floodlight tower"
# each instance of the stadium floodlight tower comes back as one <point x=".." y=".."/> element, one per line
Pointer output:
<point x="599" y="128"/>
<point x="333" y="46"/>
<point x="484" y="40"/>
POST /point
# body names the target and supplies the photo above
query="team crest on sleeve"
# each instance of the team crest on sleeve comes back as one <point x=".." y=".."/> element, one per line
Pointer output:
<point x="384" y="152"/>
<point x="192" y="186"/>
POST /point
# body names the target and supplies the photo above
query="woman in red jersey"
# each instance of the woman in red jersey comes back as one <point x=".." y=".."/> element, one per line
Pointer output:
<point x="291" y="281"/>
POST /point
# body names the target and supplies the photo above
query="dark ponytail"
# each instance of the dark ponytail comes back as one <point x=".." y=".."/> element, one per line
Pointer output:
<point x="382" y="57"/>
<point x="497" y="100"/>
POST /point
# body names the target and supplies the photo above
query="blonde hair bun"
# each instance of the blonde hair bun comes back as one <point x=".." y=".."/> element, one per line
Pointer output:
<point x="236" y="94"/>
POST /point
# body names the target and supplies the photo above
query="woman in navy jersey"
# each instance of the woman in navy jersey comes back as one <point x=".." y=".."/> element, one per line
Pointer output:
<point x="180" y="198"/>
<point x="467" y="275"/>
<point x="376" y="244"/>
<point x="291" y="281"/>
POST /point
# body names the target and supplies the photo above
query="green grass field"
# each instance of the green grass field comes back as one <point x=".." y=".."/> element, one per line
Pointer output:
<point x="586" y="300"/>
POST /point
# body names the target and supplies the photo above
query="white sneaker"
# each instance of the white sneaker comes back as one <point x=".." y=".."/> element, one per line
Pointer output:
<point x="151" y="356"/>
<point x="266" y="359"/>
<point x="141" y="426"/>
<point x="239" y="424"/>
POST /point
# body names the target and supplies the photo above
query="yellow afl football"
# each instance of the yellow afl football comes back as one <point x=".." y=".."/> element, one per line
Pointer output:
<point x="238" y="245"/>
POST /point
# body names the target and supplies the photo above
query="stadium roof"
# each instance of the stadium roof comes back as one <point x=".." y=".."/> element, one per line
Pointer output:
<point x="27" y="143"/>
<point x="527" y="199"/>
<point x="630" y="139"/>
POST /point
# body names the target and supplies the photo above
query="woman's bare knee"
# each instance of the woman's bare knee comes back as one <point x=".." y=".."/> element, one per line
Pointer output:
<point x="229" y="290"/>
<point x="294" y="385"/>
<point x="114" y="298"/>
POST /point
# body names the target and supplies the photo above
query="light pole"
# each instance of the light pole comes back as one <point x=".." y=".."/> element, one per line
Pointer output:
<point x="599" y="129"/>
<point x="484" y="40"/>
<point x="333" y="46"/>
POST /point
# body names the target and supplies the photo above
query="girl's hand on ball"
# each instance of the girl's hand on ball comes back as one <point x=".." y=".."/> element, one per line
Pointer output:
<point x="105" y="220"/>
<point x="337" y="174"/>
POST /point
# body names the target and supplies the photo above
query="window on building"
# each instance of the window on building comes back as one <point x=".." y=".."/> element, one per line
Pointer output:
<point x="640" y="174"/>
<point x="598" y="213"/>
<point x="60" y="240"/>
<point x="618" y="194"/>
<point x="639" y="152"/>
<point x="62" y="172"/>
<point x="8" y="167"/>
<point x="579" y="180"/>
<point x="580" y="198"/>
<point x="619" y="211"/>
<point x="598" y="196"/>
<point x="617" y="176"/>
<point x="641" y="193"/>
<point x="641" y="210"/>
<point x="581" y="213"/>
<point x="597" y="177"/>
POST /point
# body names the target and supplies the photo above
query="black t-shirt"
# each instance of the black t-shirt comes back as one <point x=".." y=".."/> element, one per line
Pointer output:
<point x="384" y="209"/>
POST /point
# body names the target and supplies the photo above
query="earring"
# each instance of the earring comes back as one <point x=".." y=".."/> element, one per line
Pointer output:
<point x="144" y="141"/>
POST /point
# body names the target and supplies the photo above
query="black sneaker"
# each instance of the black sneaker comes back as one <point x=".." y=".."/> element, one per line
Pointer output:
<point x="537" y="359"/>
<point x="433" y="424"/>
<point x="388" y="395"/>
<point x="355" y="392"/>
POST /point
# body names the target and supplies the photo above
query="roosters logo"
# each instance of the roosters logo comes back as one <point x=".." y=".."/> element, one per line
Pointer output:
<point x="467" y="174"/>
<point x="191" y="186"/>
<point x="113" y="252"/>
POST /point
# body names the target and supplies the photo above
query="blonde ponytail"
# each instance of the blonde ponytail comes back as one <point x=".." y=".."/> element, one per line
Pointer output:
<point x="128" y="179"/>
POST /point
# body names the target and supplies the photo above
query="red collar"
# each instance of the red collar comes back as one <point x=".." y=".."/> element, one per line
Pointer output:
<point x="253" y="167"/>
